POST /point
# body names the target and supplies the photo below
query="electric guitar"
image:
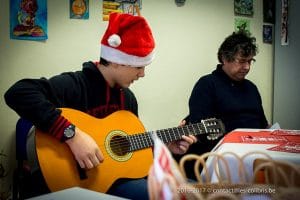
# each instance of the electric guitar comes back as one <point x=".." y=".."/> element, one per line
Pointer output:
<point x="123" y="141"/>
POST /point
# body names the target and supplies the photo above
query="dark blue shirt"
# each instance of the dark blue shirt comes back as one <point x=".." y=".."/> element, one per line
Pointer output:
<point x="237" y="104"/>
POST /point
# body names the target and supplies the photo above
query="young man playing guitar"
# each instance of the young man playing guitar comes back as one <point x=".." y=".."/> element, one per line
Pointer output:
<point x="99" y="89"/>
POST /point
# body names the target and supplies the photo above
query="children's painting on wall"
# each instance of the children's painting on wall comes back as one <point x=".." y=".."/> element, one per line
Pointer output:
<point x="132" y="7"/>
<point x="267" y="34"/>
<point x="284" y="22"/>
<point x="28" y="19"/>
<point x="79" y="9"/>
<point x="241" y="24"/>
<point x="243" y="7"/>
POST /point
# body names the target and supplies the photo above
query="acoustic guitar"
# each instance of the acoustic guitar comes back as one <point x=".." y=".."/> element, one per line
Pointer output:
<point x="123" y="141"/>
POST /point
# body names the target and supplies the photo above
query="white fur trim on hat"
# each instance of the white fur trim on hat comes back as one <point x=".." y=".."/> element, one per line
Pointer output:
<point x="114" y="40"/>
<point x="119" y="57"/>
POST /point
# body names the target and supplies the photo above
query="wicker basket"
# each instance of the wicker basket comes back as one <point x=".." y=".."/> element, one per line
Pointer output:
<point x="271" y="179"/>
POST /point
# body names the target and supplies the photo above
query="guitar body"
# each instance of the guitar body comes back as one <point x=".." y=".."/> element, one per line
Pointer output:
<point x="59" y="167"/>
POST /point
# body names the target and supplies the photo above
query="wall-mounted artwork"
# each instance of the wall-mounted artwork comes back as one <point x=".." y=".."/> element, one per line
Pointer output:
<point x="79" y="9"/>
<point x="28" y="19"/>
<point x="243" y="7"/>
<point x="267" y="34"/>
<point x="132" y="7"/>
<point x="284" y="22"/>
<point x="269" y="11"/>
<point x="241" y="24"/>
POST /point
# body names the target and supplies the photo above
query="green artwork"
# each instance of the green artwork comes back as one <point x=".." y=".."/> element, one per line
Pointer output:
<point x="241" y="24"/>
<point x="243" y="7"/>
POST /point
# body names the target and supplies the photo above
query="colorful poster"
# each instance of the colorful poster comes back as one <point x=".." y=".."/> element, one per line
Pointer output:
<point x="79" y="9"/>
<point x="267" y="34"/>
<point x="241" y="24"/>
<point x="28" y="19"/>
<point x="243" y="7"/>
<point x="121" y="6"/>
<point x="284" y="22"/>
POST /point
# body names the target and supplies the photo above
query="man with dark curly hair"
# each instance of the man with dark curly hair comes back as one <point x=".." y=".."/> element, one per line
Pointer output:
<point x="226" y="93"/>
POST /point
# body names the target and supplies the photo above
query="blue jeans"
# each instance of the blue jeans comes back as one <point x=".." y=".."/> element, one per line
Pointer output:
<point x="130" y="188"/>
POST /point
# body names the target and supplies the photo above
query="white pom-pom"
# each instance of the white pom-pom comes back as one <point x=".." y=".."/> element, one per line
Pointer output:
<point x="114" y="40"/>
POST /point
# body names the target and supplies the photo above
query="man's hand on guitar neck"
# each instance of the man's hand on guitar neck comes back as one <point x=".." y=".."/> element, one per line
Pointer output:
<point x="85" y="150"/>
<point x="181" y="146"/>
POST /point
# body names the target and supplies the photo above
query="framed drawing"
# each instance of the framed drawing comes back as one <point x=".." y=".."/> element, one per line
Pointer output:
<point x="79" y="9"/>
<point x="284" y="22"/>
<point x="243" y="7"/>
<point x="241" y="24"/>
<point x="28" y="19"/>
<point x="267" y="34"/>
<point x="132" y="7"/>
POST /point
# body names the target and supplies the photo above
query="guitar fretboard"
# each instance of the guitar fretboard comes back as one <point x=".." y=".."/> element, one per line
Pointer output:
<point x="144" y="140"/>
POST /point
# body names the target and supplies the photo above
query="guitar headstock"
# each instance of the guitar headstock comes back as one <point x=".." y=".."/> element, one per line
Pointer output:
<point x="213" y="127"/>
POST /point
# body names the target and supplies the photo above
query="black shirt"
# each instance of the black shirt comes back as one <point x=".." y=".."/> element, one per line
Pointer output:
<point x="237" y="103"/>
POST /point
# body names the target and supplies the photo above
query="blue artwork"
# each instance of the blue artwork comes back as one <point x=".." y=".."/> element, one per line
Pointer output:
<point x="79" y="9"/>
<point x="267" y="34"/>
<point x="243" y="7"/>
<point x="28" y="19"/>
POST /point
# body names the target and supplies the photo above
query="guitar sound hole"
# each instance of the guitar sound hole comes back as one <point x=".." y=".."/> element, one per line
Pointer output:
<point x="119" y="145"/>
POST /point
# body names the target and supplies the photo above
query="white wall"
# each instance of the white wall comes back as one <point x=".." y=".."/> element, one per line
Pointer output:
<point x="187" y="41"/>
<point x="286" y="70"/>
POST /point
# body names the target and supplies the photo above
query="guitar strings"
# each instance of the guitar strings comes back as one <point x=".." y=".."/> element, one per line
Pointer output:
<point x="143" y="140"/>
<point x="146" y="136"/>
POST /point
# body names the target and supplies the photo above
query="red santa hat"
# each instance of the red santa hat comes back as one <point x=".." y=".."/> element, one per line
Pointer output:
<point x="128" y="40"/>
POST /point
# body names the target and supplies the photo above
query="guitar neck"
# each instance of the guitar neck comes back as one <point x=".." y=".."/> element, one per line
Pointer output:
<point x="144" y="140"/>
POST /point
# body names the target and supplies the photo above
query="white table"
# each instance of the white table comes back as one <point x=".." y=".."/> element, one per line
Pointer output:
<point x="76" y="193"/>
<point x="258" y="140"/>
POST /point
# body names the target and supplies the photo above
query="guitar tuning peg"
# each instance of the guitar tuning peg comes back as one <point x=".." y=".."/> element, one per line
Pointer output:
<point x="210" y="137"/>
<point x="214" y="136"/>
